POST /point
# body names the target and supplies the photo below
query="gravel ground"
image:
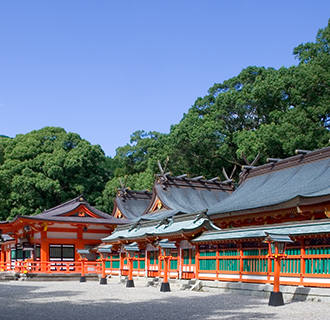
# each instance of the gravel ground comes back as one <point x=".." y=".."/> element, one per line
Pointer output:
<point x="90" y="300"/>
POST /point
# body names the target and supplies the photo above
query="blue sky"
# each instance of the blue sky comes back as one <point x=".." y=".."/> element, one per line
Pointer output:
<point x="104" y="69"/>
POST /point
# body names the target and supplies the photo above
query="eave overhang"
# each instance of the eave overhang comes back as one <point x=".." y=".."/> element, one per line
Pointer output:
<point x="299" y="201"/>
<point x="259" y="232"/>
<point x="177" y="226"/>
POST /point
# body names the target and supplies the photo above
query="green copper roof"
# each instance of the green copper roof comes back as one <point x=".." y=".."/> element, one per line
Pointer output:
<point x="292" y="229"/>
<point x="162" y="228"/>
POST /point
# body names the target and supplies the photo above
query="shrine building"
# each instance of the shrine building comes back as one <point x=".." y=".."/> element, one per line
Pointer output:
<point x="55" y="235"/>
<point x="218" y="233"/>
<point x="211" y="229"/>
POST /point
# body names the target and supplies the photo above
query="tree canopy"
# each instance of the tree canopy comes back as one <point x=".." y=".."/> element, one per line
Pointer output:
<point x="46" y="167"/>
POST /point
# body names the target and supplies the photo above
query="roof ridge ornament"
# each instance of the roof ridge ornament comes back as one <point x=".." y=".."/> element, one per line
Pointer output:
<point x="165" y="221"/>
<point x="182" y="176"/>
<point x="274" y="160"/>
<point x="228" y="178"/>
<point x="198" y="178"/>
<point x="136" y="225"/>
<point x="163" y="174"/>
<point x="202" y="215"/>
<point x="249" y="166"/>
<point x="122" y="191"/>
<point x="299" y="151"/>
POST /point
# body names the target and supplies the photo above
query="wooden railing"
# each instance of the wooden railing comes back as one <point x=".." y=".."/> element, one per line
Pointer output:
<point x="307" y="266"/>
<point x="49" y="267"/>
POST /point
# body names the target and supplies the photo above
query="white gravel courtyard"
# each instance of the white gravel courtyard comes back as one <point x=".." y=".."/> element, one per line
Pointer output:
<point x="91" y="301"/>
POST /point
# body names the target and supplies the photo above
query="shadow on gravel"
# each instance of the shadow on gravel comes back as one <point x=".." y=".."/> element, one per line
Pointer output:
<point x="14" y="305"/>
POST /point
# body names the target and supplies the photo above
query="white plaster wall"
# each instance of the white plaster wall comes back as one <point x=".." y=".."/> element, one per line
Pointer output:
<point x="61" y="235"/>
<point x="37" y="235"/>
<point x="94" y="236"/>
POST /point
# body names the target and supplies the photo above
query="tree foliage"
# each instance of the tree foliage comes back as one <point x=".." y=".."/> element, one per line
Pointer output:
<point x="46" y="167"/>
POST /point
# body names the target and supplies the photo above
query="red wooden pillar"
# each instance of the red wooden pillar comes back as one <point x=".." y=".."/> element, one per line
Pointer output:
<point x="8" y="258"/>
<point x="103" y="268"/>
<point x="241" y="261"/>
<point x="197" y="261"/>
<point x="146" y="264"/>
<point x="165" y="287"/>
<point x="82" y="274"/>
<point x="44" y="253"/>
<point x="130" y="281"/>
<point x="130" y="268"/>
<point x="2" y="258"/>
<point x="159" y="263"/>
<point x="217" y="264"/>
<point x="302" y="262"/>
<point x="165" y="269"/>
<point x="277" y="268"/>
<point x="121" y="262"/>
<point x="103" y="279"/>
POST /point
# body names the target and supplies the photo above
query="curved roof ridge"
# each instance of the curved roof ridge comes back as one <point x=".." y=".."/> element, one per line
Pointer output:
<point x="185" y="195"/>
<point x="280" y="185"/>
<point x="72" y="201"/>
<point x="131" y="203"/>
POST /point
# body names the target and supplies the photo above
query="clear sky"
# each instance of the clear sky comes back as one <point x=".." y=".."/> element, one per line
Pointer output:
<point x="104" y="69"/>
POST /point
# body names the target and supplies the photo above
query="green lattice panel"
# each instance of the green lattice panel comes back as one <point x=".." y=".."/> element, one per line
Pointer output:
<point x="193" y="254"/>
<point x="229" y="265"/>
<point x="251" y="252"/>
<point x="317" y="266"/>
<point x="208" y="253"/>
<point x="228" y="253"/>
<point x="174" y="264"/>
<point x="115" y="264"/>
<point x="318" y="250"/>
<point x="293" y="251"/>
<point x="255" y="265"/>
<point x="209" y="264"/>
<point x="290" y="265"/>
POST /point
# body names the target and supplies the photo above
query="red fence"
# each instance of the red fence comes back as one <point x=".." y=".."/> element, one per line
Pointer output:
<point x="72" y="267"/>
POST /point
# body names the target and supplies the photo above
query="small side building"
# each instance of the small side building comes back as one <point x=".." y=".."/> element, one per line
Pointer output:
<point x="55" y="235"/>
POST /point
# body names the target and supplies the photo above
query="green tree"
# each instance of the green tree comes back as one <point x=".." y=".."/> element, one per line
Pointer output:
<point x="46" y="167"/>
<point x="135" y="164"/>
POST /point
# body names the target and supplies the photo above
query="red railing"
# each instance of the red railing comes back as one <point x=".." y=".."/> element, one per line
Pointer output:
<point x="72" y="267"/>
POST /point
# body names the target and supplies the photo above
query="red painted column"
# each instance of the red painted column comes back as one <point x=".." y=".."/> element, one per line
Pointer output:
<point x="130" y="268"/>
<point x="44" y="252"/>
<point x="277" y="269"/>
<point x="165" y="269"/>
<point x="217" y="263"/>
<point x="2" y="254"/>
<point x="103" y="267"/>
<point x="130" y="281"/>
<point x="159" y="264"/>
<point x="241" y="261"/>
<point x="82" y="267"/>
<point x="302" y="262"/>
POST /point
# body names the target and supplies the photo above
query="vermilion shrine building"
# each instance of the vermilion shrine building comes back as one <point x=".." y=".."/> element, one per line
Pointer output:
<point x="224" y="241"/>
<point x="55" y="235"/>
<point x="216" y="231"/>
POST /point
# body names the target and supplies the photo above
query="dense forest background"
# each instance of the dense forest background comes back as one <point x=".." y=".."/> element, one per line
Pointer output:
<point x="260" y="111"/>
